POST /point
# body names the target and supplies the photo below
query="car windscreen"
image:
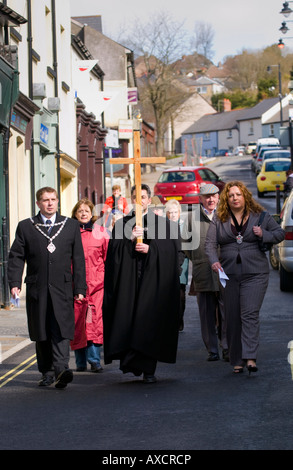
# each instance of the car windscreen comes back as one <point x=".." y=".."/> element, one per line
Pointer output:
<point x="276" y="155"/>
<point x="277" y="166"/>
<point x="177" y="177"/>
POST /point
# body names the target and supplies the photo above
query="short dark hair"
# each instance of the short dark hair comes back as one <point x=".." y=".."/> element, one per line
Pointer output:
<point x="45" y="189"/>
<point x="143" y="186"/>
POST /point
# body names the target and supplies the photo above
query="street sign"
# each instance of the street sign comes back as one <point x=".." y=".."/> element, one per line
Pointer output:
<point x="112" y="139"/>
<point x="125" y="129"/>
<point x="132" y="95"/>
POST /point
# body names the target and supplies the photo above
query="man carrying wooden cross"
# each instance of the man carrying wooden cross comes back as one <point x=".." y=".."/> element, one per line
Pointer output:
<point x="142" y="292"/>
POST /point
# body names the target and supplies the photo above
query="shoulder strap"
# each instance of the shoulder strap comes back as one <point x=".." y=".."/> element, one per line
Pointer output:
<point x="262" y="215"/>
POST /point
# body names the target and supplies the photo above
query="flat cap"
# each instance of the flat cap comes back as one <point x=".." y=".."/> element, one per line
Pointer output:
<point x="208" y="189"/>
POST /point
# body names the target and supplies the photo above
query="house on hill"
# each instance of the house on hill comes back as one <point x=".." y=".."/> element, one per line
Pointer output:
<point x="212" y="132"/>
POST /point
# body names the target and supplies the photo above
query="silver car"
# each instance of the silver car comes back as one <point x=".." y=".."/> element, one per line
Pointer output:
<point x="281" y="255"/>
<point x="266" y="154"/>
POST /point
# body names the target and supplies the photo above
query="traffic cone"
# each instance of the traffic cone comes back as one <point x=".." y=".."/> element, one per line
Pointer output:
<point x="200" y="161"/>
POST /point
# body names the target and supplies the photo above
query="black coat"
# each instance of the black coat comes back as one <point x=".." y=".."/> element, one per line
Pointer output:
<point x="142" y="292"/>
<point x="62" y="273"/>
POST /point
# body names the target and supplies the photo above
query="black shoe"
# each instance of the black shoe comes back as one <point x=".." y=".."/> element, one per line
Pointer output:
<point x="80" y="369"/>
<point x="213" y="357"/>
<point x="96" y="368"/>
<point x="64" y="378"/>
<point x="225" y="355"/>
<point x="149" y="379"/>
<point x="251" y="368"/>
<point x="46" y="380"/>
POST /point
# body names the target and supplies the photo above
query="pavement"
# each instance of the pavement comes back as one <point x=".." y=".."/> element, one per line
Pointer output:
<point x="13" y="322"/>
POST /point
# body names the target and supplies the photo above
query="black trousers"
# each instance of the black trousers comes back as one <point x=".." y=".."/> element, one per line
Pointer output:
<point x="52" y="354"/>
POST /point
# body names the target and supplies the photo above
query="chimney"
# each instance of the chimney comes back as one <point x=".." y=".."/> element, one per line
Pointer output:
<point x="227" y="104"/>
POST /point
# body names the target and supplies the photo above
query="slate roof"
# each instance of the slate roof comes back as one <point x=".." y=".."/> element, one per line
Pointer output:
<point x="257" y="111"/>
<point x="216" y="122"/>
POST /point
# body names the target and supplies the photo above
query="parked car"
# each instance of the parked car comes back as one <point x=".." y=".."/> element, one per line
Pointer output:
<point x="183" y="183"/>
<point x="259" y="155"/>
<point x="239" y="151"/>
<point x="222" y="153"/>
<point x="250" y="148"/>
<point x="269" y="154"/>
<point x="273" y="172"/>
<point x="267" y="142"/>
<point x="281" y="255"/>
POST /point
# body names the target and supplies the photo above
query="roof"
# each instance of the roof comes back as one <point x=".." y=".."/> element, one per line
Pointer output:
<point x="216" y="122"/>
<point x="259" y="109"/>
<point x="206" y="81"/>
<point x="94" y="22"/>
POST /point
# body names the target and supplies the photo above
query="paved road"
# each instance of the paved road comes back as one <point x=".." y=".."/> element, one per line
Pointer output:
<point x="196" y="405"/>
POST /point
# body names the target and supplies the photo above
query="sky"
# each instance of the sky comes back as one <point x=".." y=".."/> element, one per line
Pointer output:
<point x="237" y="25"/>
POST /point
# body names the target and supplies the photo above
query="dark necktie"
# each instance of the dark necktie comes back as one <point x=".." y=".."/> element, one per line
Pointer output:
<point x="49" y="224"/>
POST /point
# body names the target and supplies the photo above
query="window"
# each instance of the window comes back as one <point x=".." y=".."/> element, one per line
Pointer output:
<point x="272" y="129"/>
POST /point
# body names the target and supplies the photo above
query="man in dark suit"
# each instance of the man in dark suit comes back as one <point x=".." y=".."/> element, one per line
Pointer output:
<point x="55" y="276"/>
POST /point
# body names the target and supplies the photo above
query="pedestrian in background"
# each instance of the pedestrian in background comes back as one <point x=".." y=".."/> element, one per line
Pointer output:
<point x="88" y="336"/>
<point x="288" y="185"/>
<point x="173" y="212"/>
<point x="205" y="280"/>
<point x="235" y="231"/>
<point x="114" y="203"/>
<point x="50" y="245"/>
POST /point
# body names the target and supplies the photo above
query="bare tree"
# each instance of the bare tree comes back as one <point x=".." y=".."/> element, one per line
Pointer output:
<point x="159" y="42"/>
<point x="203" y="39"/>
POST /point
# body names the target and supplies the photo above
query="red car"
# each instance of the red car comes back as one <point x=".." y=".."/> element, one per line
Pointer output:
<point x="183" y="183"/>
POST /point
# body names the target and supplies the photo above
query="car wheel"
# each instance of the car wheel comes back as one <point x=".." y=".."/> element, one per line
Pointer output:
<point x="260" y="195"/>
<point x="286" y="280"/>
<point x="273" y="260"/>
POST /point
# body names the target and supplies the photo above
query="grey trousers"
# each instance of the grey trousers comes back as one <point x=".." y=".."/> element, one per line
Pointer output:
<point x="211" y="314"/>
<point x="243" y="297"/>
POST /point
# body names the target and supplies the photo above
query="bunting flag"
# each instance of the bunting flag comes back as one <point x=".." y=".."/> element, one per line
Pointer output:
<point x="86" y="65"/>
<point x="105" y="99"/>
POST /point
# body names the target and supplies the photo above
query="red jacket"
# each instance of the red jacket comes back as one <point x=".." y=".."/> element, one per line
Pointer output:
<point x="88" y="312"/>
<point x="110" y="201"/>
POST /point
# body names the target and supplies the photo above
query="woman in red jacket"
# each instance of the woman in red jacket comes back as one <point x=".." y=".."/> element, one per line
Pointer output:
<point x="88" y="336"/>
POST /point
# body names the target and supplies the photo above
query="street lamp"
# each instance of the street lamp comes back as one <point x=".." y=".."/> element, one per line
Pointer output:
<point x="284" y="28"/>
<point x="290" y="86"/>
<point x="286" y="10"/>
<point x="281" y="45"/>
<point x="280" y="89"/>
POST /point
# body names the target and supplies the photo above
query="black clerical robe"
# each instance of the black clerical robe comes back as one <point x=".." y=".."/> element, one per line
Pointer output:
<point x="142" y="292"/>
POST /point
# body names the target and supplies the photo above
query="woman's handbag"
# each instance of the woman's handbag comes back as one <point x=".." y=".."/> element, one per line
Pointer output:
<point x="261" y="244"/>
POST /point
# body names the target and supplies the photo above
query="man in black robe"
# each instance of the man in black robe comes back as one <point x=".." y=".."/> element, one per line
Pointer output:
<point x="142" y="292"/>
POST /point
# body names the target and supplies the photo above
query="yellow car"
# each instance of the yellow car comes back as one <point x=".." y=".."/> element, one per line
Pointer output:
<point x="272" y="172"/>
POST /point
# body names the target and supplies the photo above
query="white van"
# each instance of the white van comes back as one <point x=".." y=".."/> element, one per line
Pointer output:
<point x="268" y="142"/>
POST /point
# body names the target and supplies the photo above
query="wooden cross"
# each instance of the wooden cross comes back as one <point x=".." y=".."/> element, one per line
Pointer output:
<point x="137" y="161"/>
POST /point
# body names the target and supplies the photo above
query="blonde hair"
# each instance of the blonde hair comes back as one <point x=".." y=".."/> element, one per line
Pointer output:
<point x="88" y="203"/>
<point x="223" y="209"/>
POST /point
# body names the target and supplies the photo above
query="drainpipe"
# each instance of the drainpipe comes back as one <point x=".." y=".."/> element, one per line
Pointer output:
<point x="55" y="68"/>
<point x="30" y="92"/>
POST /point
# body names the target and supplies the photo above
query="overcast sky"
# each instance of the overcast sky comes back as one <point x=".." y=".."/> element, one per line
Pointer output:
<point x="237" y="24"/>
